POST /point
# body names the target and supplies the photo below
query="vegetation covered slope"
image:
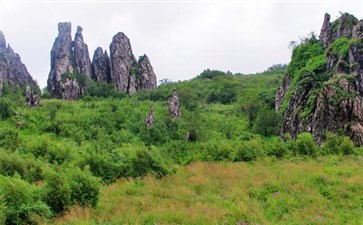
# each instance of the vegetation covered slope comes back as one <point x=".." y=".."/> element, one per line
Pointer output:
<point x="322" y="91"/>
<point x="62" y="153"/>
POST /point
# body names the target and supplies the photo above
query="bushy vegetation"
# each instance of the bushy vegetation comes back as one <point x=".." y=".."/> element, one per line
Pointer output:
<point x="62" y="153"/>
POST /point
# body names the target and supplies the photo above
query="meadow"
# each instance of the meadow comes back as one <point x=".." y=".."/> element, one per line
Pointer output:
<point x="326" y="190"/>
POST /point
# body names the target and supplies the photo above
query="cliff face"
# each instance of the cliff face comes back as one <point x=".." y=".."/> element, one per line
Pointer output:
<point x="326" y="90"/>
<point x="71" y="67"/>
<point x="12" y="71"/>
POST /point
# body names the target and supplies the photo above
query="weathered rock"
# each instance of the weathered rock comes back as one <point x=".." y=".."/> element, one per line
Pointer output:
<point x="82" y="62"/>
<point x="345" y="25"/>
<point x="69" y="89"/>
<point x="332" y="99"/>
<point x="129" y="75"/>
<point x="61" y="62"/>
<point x="358" y="30"/>
<point x="174" y="105"/>
<point x="146" y="73"/>
<point x="326" y="31"/>
<point x="69" y="61"/>
<point x="122" y="60"/>
<point x="71" y="67"/>
<point x="283" y="88"/>
<point x="101" y="71"/>
<point x="2" y="41"/>
<point x="12" y="71"/>
<point x="31" y="98"/>
<point x="150" y="119"/>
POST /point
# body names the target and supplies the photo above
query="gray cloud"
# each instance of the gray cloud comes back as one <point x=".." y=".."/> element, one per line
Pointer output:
<point x="180" y="38"/>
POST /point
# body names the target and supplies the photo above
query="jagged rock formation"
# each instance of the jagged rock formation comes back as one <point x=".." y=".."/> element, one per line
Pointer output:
<point x="122" y="62"/>
<point x="150" y="119"/>
<point x="71" y="68"/>
<point x="146" y="72"/>
<point x="101" y="68"/>
<point x="82" y="62"/>
<point x="12" y="71"/>
<point x="174" y="106"/>
<point x="284" y="87"/>
<point x="62" y="81"/>
<point x="326" y="89"/>
<point x="31" y="98"/>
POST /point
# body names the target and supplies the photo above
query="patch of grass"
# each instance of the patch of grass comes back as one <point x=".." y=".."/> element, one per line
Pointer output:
<point x="327" y="190"/>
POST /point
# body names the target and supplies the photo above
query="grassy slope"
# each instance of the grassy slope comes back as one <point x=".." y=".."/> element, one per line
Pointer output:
<point x="328" y="190"/>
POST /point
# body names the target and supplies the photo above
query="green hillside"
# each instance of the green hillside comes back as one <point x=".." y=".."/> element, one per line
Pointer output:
<point x="65" y="154"/>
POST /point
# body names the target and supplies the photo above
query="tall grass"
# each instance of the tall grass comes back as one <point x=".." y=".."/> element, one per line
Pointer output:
<point x="326" y="190"/>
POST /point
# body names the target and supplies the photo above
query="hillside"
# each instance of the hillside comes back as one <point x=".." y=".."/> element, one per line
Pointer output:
<point x="64" y="152"/>
<point x="322" y="90"/>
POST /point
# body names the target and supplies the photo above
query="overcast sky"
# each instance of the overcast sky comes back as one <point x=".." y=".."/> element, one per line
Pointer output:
<point x="181" y="38"/>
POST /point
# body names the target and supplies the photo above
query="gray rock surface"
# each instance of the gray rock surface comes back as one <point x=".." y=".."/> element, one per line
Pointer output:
<point x="129" y="75"/>
<point x="31" y="98"/>
<point x="146" y="73"/>
<point x="174" y="105"/>
<point x="82" y="62"/>
<point x="12" y="71"/>
<point x="283" y="88"/>
<point x="122" y="60"/>
<point x="71" y="67"/>
<point x="61" y="62"/>
<point x="150" y="118"/>
<point x="326" y="31"/>
<point x="101" y="71"/>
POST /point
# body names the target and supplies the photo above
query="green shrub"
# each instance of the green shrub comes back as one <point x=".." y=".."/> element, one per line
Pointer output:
<point x="9" y="138"/>
<point x="106" y="166"/>
<point x="24" y="165"/>
<point x="249" y="150"/>
<point x="266" y="122"/>
<point x="57" y="191"/>
<point x="337" y="144"/>
<point x="305" y="145"/>
<point x="21" y="203"/>
<point x="277" y="148"/>
<point x="5" y="108"/>
<point x="144" y="162"/>
<point x="84" y="187"/>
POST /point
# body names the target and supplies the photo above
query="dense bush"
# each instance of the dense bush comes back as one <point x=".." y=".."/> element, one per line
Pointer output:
<point x="143" y="162"/>
<point x="337" y="144"/>
<point x="5" y="108"/>
<point x="305" y="145"/>
<point x="20" y="203"/>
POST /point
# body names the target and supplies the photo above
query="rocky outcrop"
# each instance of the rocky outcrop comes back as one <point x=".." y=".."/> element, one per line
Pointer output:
<point x="326" y="31"/>
<point x="12" y="71"/>
<point x="123" y="63"/>
<point x="150" y="118"/>
<point x="283" y="88"/>
<point x="174" y="105"/>
<point x="82" y="62"/>
<point x="62" y="75"/>
<point x="146" y="73"/>
<point x="328" y="98"/>
<point x="101" y="70"/>
<point x="71" y="68"/>
<point x="31" y="98"/>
